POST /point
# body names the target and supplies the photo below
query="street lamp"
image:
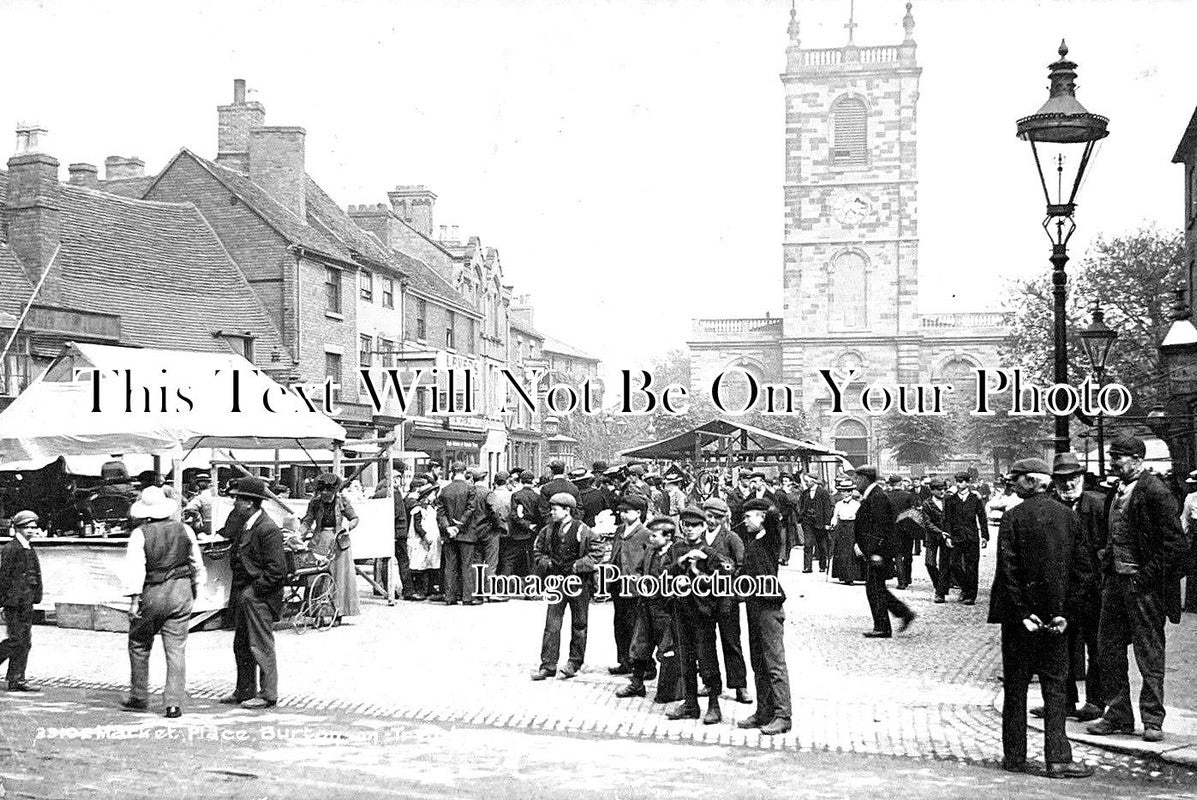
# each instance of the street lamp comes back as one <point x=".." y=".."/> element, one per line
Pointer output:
<point x="1097" y="340"/>
<point x="1062" y="136"/>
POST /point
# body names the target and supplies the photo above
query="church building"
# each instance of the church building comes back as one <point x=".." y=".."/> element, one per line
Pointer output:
<point x="850" y="251"/>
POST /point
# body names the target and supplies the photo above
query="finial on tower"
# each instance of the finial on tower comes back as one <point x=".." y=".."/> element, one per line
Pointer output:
<point x="1063" y="51"/>
<point x="908" y="23"/>
<point x="793" y="26"/>
<point x="851" y="26"/>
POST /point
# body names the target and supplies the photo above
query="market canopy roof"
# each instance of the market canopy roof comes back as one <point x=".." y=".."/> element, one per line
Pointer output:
<point x="54" y="416"/>
<point x="718" y="432"/>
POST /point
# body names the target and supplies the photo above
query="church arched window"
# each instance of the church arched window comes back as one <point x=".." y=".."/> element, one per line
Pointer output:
<point x="849" y="132"/>
<point x="962" y="375"/>
<point x="848" y="304"/>
<point x="852" y="438"/>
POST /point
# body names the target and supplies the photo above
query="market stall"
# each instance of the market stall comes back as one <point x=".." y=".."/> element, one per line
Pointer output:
<point x="135" y="408"/>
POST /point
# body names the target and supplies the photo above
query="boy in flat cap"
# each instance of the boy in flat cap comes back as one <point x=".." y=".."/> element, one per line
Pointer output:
<point x="627" y="550"/>
<point x="565" y="547"/>
<point x="964" y="512"/>
<point x="654" y="621"/>
<point x="766" y="622"/>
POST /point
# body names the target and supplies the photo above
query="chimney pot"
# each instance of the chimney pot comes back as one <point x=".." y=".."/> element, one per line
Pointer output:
<point x="444" y="232"/>
<point x="239" y="91"/>
<point x="84" y="175"/>
<point x="453" y="229"/>
<point x="234" y="122"/>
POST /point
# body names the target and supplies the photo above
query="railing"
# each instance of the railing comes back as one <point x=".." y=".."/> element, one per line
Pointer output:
<point x="878" y="55"/>
<point x="822" y="58"/>
<point x="834" y="56"/>
<point x="733" y="327"/>
<point x="974" y="319"/>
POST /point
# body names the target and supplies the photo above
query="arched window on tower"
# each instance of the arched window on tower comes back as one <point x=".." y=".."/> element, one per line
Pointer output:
<point x="848" y="304"/>
<point x="852" y="438"/>
<point x="962" y="375"/>
<point x="849" y="143"/>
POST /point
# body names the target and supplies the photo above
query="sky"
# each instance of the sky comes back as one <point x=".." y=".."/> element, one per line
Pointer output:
<point x="625" y="158"/>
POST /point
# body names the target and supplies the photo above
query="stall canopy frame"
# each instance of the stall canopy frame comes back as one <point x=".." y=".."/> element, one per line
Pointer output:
<point x="691" y="444"/>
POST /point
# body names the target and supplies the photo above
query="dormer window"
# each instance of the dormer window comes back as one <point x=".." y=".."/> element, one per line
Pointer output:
<point x="241" y="343"/>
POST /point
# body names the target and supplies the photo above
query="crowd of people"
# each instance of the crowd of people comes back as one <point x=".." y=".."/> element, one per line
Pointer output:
<point x="1082" y="574"/>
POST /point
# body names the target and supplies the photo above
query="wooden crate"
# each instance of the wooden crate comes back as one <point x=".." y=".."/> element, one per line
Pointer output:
<point x="109" y="617"/>
<point x="74" y="615"/>
<point x="92" y="616"/>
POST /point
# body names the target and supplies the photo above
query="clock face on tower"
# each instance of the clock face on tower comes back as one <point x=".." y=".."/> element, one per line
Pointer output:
<point x="850" y="206"/>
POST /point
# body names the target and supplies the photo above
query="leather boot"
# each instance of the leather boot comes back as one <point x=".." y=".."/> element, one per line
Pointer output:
<point x="713" y="716"/>
<point x="683" y="711"/>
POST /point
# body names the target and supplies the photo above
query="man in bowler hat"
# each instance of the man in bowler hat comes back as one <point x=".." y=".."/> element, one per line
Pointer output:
<point x="876" y="543"/>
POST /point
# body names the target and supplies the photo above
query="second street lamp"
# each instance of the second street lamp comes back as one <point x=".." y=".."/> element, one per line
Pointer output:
<point x="1097" y="340"/>
<point x="1062" y="136"/>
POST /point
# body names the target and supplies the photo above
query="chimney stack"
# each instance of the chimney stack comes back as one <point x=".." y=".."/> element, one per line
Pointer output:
<point x="234" y="124"/>
<point x="33" y="208"/>
<point x="454" y="229"/>
<point x="276" y="163"/>
<point x="444" y="232"/>
<point x="414" y="205"/>
<point x="521" y="309"/>
<point x="118" y="168"/>
<point x="85" y="175"/>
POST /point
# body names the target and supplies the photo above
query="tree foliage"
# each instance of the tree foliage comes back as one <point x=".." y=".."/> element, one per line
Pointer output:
<point x="918" y="438"/>
<point x="1005" y="438"/>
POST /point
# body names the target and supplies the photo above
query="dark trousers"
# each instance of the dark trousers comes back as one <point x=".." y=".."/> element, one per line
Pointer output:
<point x="904" y="562"/>
<point x="515" y="557"/>
<point x="421" y="581"/>
<point x="165" y="611"/>
<point x="404" y="563"/>
<point x="1132" y="618"/>
<point x="815" y="547"/>
<point x="253" y="647"/>
<point x="624" y="620"/>
<point x="882" y="602"/>
<point x="696" y="649"/>
<point x="728" y="622"/>
<point x="487" y="552"/>
<point x="1191" y="576"/>
<point x="968" y="563"/>
<point x="1025" y="654"/>
<point x="1085" y="660"/>
<point x="18" y="621"/>
<point x="937" y="557"/>
<point x="459" y="570"/>
<point x="654" y="631"/>
<point x="791" y="537"/>
<point x="767" y="651"/>
<point x="579" y="613"/>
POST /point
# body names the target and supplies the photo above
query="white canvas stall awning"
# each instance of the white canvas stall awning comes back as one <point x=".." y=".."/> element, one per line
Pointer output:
<point x="55" y="416"/>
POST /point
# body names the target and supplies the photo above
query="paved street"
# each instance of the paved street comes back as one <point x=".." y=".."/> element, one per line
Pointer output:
<point x="439" y="678"/>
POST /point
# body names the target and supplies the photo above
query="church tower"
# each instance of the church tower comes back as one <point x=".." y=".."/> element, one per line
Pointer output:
<point x="850" y="250"/>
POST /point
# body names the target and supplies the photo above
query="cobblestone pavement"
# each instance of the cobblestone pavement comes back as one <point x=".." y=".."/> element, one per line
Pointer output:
<point x="927" y="694"/>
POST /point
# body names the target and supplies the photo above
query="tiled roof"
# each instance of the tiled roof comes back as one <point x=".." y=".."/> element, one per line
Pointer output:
<point x="16" y="287"/>
<point x="552" y="345"/>
<point x="526" y="328"/>
<point x="128" y="187"/>
<point x="275" y="214"/>
<point x="426" y="281"/>
<point x="160" y="267"/>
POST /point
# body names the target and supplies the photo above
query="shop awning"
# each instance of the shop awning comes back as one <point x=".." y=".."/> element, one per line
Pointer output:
<point x="55" y="415"/>
<point x="717" y="433"/>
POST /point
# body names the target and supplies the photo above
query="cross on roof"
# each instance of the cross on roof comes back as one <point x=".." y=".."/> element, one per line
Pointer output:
<point x="851" y="24"/>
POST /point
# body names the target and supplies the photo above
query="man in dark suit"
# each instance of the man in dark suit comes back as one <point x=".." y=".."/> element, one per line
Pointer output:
<point x="728" y="544"/>
<point x="815" y="513"/>
<point x="876" y="543"/>
<point x="591" y="501"/>
<point x="908" y="526"/>
<point x="938" y="554"/>
<point x="556" y="484"/>
<point x="789" y="507"/>
<point x="627" y="551"/>
<point x="1035" y="595"/>
<point x="969" y="528"/>
<point x="524" y="524"/>
<point x="20" y="591"/>
<point x="458" y="537"/>
<point x="1142" y="563"/>
<point x="259" y="568"/>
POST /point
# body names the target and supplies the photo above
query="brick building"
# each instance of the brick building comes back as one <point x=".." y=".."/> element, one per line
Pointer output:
<point x="87" y="266"/>
<point x="850" y="268"/>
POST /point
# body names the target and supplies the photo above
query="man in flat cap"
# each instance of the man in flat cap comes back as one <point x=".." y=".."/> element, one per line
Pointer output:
<point x="969" y="527"/>
<point x="591" y="501"/>
<point x="1142" y="563"/>
<point x="1035" y="596"/>
<point x="627" y="550"/>
<point x="20" y="591"/>
<point x="556" y="484"/>
<point x="566" y="547"/>
<point x="815" y="513"/>
<point x="1068" y="479"/>
<point x="937" y="555"/>
<point x="876" y="543"/>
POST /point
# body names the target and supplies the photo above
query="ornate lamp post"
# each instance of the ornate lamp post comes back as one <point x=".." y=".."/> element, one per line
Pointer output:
<point x="1062" y="136"/>
<point x="1097" y="340"/>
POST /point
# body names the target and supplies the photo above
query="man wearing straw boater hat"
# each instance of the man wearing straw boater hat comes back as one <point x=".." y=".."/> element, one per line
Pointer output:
<point x="259" y="568"/>
<point x="163" y="572"/>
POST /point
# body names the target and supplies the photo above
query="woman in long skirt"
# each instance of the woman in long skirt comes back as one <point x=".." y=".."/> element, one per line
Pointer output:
<point x="329" y="519"/>
<point x="845" y="566"/>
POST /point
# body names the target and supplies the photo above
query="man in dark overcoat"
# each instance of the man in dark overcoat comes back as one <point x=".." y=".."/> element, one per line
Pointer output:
<point x="20" y="591"/>
<point x="458" y="537"/>
<point x="815" y="513"/>
<point x="876" y="543"/>
<point x="1035" y="595"/>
